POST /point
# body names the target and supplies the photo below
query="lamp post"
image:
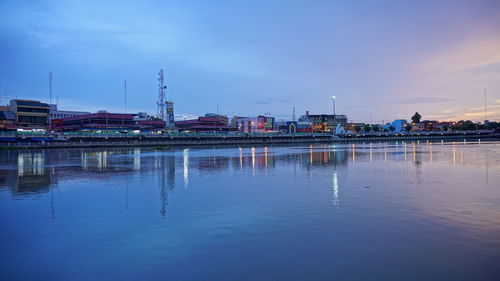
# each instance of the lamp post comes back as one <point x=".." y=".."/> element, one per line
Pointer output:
<point x="333" y="100"/>
<point x="333" y="119"/>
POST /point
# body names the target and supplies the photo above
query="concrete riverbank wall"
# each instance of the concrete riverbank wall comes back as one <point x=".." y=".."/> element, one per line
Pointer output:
<point x="83" y="140"/>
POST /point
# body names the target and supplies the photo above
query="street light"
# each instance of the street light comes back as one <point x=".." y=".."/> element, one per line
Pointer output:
<point x="333" y="119"/>
<point x="333" y="100"/>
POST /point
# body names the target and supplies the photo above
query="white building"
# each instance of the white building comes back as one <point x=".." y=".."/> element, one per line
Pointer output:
<point x="59" y="114"/>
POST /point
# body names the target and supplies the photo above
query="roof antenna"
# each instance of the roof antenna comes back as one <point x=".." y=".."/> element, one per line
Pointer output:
<point x="50" y="87"/>
<point x="125" y="96"/>
<point x="485" y="112"/>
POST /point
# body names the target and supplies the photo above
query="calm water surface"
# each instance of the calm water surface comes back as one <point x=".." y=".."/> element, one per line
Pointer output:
<point x="381" y="211"/>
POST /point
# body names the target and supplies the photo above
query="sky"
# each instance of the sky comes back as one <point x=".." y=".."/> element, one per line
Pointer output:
<point x="383" y="60"/>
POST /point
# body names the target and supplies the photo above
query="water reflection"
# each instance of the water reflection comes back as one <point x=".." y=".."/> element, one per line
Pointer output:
<point x="322" y="202"/>
<point x="38" y="171"/>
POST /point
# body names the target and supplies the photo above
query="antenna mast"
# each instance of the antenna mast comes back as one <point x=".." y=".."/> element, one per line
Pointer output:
<point x="125" y="84"/>
<point x="50" y="87"/>
<point x="161" y="96"/>
<point x="485" y="112"/>
<point x="293" y="116"/>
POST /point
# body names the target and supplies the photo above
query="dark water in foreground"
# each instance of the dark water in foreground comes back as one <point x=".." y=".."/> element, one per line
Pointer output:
<point x="396" y="211"/>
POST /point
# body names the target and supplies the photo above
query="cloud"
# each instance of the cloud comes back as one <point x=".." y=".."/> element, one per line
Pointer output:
<point x="425" y="100"/>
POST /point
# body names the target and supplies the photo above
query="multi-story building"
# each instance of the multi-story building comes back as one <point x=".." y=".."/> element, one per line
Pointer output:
<point x="323" y="122"/>
<point x="31" y="114"/>
<point x="259" y="124"/>
<point x="107" y="121"/>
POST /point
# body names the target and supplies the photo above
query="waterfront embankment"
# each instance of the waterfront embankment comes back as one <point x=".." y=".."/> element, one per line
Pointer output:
<point x="67" y="140"/>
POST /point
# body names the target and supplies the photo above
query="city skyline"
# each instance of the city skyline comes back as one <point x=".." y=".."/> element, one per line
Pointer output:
<point x="383" y="61"/>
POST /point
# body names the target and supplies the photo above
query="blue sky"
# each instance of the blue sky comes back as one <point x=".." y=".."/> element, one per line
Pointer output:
<point x="382" y="59"/>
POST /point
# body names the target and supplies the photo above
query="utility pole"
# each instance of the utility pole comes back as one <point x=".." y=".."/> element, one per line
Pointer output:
<point x="125" y="96"/>
<point x="50" y="87"/>
<point x="485" y="112"/>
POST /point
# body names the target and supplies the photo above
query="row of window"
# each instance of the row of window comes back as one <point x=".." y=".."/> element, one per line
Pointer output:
<point x="61" y="115"/>
<point x="32" y="119"/>
<point x="35" y="110"/>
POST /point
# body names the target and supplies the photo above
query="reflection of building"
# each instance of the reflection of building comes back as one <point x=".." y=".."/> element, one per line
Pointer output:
<point x="31" y="175"/>
<point x="323" y="122"/>
<point x="31" y="114"/>
<point x="259" y="124"/>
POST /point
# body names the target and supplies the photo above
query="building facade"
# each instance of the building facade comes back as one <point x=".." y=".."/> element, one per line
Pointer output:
<point x="60" y="114"/>
<point x="323" y="122"/>
<point x="30" y="114"/>
<point x="259" y="124"/>
<point x="204" y="124"/>
<point x="8" y="120"/>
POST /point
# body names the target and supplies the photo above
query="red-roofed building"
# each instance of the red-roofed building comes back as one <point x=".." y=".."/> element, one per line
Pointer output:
<point x="204" y="124"/>
<point x="107" y="121"/>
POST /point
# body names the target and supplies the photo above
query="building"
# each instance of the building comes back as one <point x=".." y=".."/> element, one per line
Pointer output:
<point x="60" y="114"/>
<point x="223" y="118"/>
<point x="169" y="118"/>
<point x="204" y="124"/>
<point x="322" y="122"/>
<point x="417" y="127"/>
<point x="107" y="121"/>
<point x="398" y="124"/>
<point x="259" y="124"/>
<point x="353" y="126"/>
<point x="8" y="120"/>
<point x="98" y="121"/>
<point x="31" y="114"/>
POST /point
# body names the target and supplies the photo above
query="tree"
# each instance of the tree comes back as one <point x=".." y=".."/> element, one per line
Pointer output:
<point x="416" y="117"/>
<point x="392" y="128"/>
<point x="357" y="129"/>
<point x="376" y="128"/>
<point x="445" y="128"/>
<point x="368" y="128"/>
<point x="408" y="127"/>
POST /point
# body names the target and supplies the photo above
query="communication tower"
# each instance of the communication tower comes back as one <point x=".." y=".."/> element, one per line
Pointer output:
<point x="161" y="96"/>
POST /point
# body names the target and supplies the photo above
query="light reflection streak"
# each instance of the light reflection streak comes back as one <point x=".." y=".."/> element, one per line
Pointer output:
<point x="405" y="151"/>
<point x="454" y="153"/>
<point x="241" y="159"/>
<point x="335" y="189"/>
<point x="353" y="153"/>
<point x="185" y="155"/>
<point x="371" y="153"/>
<point x="253" y="161"/>
<point x="430" y="152"/>
<point x="137" y="159"/>
<point x="310" y="154"/>
<point x="265" y="156"/>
